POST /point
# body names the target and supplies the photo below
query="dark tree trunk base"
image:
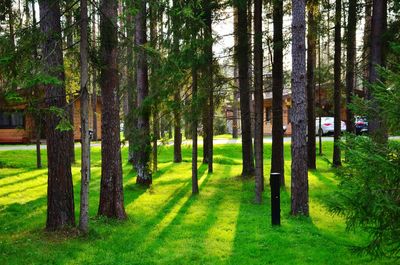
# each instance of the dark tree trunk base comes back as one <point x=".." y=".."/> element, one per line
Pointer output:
<point x="248" y="174"/>
<point x="144" y="181"/>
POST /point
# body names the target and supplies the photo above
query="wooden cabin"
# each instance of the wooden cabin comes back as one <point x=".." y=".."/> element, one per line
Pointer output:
<point x="18" y="126"/>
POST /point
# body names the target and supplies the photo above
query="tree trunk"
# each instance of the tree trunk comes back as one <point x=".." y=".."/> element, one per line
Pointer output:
<point x="259" y="101"/>
<point x="38" y="118"/>
<point x="94" y="81"/>
<point x="177" y="129"/>
<point x="277" y="159"/>
<point x="242" y="55"/>
<point x="206" y="129"/>
<point x="130" y="126"/>
<point x="209" y="76"/>
<point x="235" y="105"/>
<point x="142" y="166"/>
<point x="319" y="96"/>
<point x="38" y="130"/>
<point x="177" y="95"/>
<point x="153" y="41"/>
<point x="235" y="110"/>
<point x="312" y="7"/>
<point x="376" y="126"/>
<point x="337" y="86"/>
<point x="111" y="188"/>
<point x="85" y="137"/>
<point x="155" y="140"/>
<point x="94" y="106"/>
<point x="351" y="61"/>
<point x="367" y="40"/>
<point x="195" y="184"/>
<point x="60" y="195"/>
<point x="299" y="189"/>
<point x="250" y="66"/>
<point x="328" y="41"/>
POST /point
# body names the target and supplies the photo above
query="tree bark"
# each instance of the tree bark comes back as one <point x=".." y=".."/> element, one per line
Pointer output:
<point x="235" y="106"/>
<point x="94" y="80"/>
<point x="337" y="86"/>
<point x="38" y="118"/>
<point x="209" y="76"/>
<point x="242" y="55"/>
<point x="319" y="96"/>
<point x="206" y="129"/>
<point x="142" y="166"/>
<point x="85" y="137"/>
<point x="299" y="187"/>
<point x="259" y="101"/>
<point x="350" y="62"/>
<point x="367" y="40"/>
<point x="60" y="195"/>
<point x="312" y="7"/>
<point x="177" y="129"/>
<point x="130" y="128"/>
<point x="195" y="184"/>
<point x="250" y="66"/>
<point x="153" y="41"/>
<point x="111" y="188"/>
<point x="277" y="159"/>
<point x="376" y="126"/>
<point x="38" y="131"/>
<point x="177" y="95"/>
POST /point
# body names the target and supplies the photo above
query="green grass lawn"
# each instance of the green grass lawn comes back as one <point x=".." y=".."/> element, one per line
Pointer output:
<point x="167" y="225"/>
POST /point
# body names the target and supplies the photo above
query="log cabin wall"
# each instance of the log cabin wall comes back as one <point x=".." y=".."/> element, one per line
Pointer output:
<point x="26" y="133"/>
<point x="21" y="134"/>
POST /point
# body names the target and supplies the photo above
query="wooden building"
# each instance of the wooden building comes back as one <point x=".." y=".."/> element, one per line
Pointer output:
<point x="18" y="126"/>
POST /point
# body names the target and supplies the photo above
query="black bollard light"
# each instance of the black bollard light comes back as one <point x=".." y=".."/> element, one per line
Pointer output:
<point x="274" y="181"/>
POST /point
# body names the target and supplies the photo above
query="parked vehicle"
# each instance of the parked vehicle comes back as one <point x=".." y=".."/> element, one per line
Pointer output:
<point x="327" y="125"/>
<point x="361" y="125"/>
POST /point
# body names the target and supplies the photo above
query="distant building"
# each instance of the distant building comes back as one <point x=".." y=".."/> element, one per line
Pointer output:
<point x="18" y="126"/>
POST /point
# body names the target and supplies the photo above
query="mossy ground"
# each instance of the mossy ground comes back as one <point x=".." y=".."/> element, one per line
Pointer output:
<point x="167" y="225"/>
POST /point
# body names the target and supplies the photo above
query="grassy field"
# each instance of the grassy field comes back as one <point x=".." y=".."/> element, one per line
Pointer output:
<point x="167" y="225"/>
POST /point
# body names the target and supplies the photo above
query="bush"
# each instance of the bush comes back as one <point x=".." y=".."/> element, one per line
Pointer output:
<point x="369" y="193"/>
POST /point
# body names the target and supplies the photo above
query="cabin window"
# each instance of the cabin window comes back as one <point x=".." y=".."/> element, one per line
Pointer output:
<point x="268" y="114"/>
<point x="12" y="120"/>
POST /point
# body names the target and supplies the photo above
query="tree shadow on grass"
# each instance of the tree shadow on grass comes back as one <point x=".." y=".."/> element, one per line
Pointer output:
<point x="13" y="173"/>
<point x="132" y="191"/>
<point x="17" y="217"/>
<point x="256" y="240"/>
<point x="20" y="180"/>
<point x="185" y="223"/>
<point x="329" y="183"/>
<point x="140" y="229"/>
<point x="319" y="239"/>
<point x="24" y="189"/>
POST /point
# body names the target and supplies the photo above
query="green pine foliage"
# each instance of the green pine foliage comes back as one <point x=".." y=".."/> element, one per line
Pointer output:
<point x="369" y="194"/>
<point x="369" y="182"/>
